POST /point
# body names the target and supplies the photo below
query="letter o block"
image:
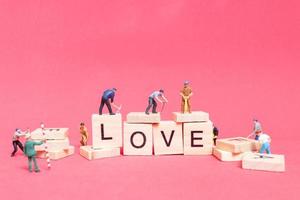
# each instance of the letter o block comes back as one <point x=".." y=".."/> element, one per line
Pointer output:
<point x="198" y="138"/>
<point x="137" y="139"/>
<point x="106" y="131"/>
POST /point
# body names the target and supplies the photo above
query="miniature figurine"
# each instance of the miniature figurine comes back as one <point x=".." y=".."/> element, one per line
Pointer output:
<point x="16" y="142"/>
<point x="186" y="94"/>
<point x="257" y="129"/>
<point x="265" y="141"/>
<point x="84" y="134"/>
<point x="31" y="153"/>
<point x="156" y="95"/>
<point x="108" y="99"/>
<point x="216" y="133"/>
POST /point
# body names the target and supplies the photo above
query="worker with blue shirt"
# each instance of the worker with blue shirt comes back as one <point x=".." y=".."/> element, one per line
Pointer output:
<point x="108" y="99"/>
<point x="257" y="129"/>
<point x="265" y="141"/>
<point x="156" y="95"/>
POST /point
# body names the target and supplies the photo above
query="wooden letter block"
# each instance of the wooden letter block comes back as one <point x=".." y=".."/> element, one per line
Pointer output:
<point x="54" y="145"/>
<point x="237" y="144"/>
<point x="106" y="131"/>
<point x="265" y="162"/>
<point x="140" y="117"/>
<point x="198" y="138"/>
<point x="197" y="116"/>
<point x="50" y="134"/>
<point x="90" y="153"/>
<point x="226" y="155"/>
<point x="137" y="139"/>
<point x="167" y="136"/>
<point x="55" y="155"/>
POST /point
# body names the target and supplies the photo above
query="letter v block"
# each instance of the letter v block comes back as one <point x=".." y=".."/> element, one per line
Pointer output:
<point x="137" y="139"/>
<point x="106" y="131"/>
<point x="198" y="138"/>
<point x="167" y="138"/>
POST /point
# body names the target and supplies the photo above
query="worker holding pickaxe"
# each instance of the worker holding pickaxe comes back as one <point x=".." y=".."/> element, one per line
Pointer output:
<point x="108" y="99"/>
<point x="156" y="96"/>
<point x="186" y="94"/>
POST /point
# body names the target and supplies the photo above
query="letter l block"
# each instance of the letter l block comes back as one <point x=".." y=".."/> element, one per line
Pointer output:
<point x="106" y="131"/>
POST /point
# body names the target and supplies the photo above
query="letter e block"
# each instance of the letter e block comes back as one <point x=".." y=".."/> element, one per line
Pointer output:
<point x="198" y="138"/>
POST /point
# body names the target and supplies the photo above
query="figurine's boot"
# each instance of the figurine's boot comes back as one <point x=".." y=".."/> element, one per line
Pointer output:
<point x="36" y="168"/>
<point x="29" y="164"/>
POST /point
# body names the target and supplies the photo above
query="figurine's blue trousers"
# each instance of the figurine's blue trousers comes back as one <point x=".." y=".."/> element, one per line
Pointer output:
<point x="151" y="103"/>
<point x="265" y="148"/>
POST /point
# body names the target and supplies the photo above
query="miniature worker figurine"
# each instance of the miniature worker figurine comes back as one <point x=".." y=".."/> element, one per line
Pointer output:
<point x="31" y="153"/>
<point x="257" y="129"/>
<point x="186" y="94"/>
<point x="155" y="96"/>
<point x="264" y="141"/>
<point x="108" y="99"/>
<point x="16" y="142"/>
<point x="84" y="134"/>
<point x="216" y="133"/>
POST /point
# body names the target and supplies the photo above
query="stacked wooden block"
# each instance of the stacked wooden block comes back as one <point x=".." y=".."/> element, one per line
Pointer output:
<point x="197" y="132"/>
<point x="233" y="149"/>
<point x="265" y="162"/>
<point x="188" y="134"/>
<point x="57" y="141"/>
<point x="106" y="137"/>
<point x="243" y="149"/>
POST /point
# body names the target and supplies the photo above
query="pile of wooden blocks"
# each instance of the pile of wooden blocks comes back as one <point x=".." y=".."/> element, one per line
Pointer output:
<point x="243" y="149"/>
<point x="188" y="134"/>
<point x="58" y="144"/>
<point x="233" y="149"/>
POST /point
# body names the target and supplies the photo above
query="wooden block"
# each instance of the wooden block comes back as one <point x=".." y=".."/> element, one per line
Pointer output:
<point x="197" y="116"/>
<point x="226" y="155"/>
<point x="137" y="139"/>
<point x="54" y="145"/>
<point x="268" y="162"/>
<point x="106" y="131"/>
<point x="50" y="134"/>
<point x="90" y="153"/>
<point x="167" y="138"/>
<point x="237" y="144"/>
<point x="198" y="138"/>
<point x="140" y="117"/>
<point x="55" y="155"/>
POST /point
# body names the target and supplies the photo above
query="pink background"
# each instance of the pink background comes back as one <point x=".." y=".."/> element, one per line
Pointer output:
<point x="242" y="58"/>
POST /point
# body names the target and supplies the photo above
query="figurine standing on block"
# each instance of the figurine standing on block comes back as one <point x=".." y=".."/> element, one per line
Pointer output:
<point x="84" y="134"/>
<point x="31" y="153"/>
<point x="257" y="129"/>
<point x="186" y="94"/>
<point x="216" y="133"/>
<point x="264" y="141"/>
<point x="16" y="142"/>
<point x="108" y="99"/>
<point x="155" y="96"/>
